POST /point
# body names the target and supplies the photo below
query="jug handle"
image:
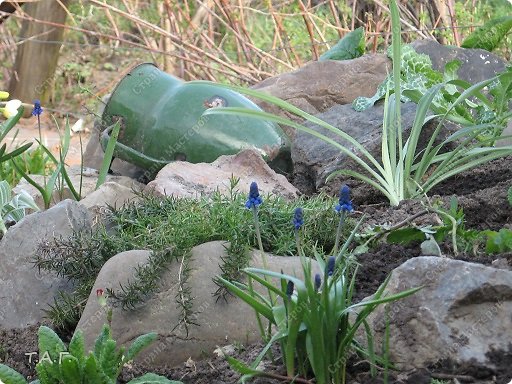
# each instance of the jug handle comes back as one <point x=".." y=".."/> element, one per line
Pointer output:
<point x="131" y="155"/>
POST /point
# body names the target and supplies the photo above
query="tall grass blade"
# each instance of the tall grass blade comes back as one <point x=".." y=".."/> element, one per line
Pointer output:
<point x="109" y="154"/>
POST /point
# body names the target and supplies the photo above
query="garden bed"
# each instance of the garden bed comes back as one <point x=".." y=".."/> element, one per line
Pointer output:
<point x="482" y="195"/>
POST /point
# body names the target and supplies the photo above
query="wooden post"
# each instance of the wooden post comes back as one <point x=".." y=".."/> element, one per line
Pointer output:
<point x="36" y="61"/>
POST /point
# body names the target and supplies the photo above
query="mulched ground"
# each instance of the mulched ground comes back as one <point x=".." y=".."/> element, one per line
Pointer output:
<point x="481" y="193"/>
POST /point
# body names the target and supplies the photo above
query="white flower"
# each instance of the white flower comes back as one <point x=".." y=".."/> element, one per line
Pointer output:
<point x="78" y="126"/>
<point x="11" y="108"/>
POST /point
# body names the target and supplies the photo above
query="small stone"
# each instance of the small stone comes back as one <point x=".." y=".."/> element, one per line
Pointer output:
<point x="183" y="179"/>
<point x="472" y="69"/>
<point x="88" y="179"/>
<point x="109" y="194"/>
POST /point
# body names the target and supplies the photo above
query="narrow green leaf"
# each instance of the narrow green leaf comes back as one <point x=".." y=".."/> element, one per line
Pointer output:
<point x="386" y="189"/>
<point x="267" y="284"/>
<point x="419" y="120"/>
<point x="260" y="308"/>
<point x="32" y="182"/>
<point x="385" y="299"/>
<point x="139" y="344"/>
<point x="298" y="283"/>
<point x="281" y="120"/>
<point x="8" y="124"/>
<point x="241" y="367"/>
<point x="16" y="152"/>
<point x="288" y="107"/>
<point x="109" y="153"/>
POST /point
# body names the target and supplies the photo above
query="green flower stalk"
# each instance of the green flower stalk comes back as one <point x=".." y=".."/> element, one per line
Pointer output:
<point x="37" y="111"/>
<point x="102" y="297"/>
<point x="253" y="202"/>
<point x="344" y="206"/>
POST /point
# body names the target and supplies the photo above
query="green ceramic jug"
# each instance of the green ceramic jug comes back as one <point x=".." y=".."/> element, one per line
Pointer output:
<point x="161" y="121"/>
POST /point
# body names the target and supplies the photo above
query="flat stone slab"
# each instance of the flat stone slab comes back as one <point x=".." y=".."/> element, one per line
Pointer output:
<point x="183" y="179"/>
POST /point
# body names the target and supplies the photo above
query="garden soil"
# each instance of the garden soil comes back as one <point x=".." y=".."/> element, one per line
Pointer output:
<point x="482" y="195"/>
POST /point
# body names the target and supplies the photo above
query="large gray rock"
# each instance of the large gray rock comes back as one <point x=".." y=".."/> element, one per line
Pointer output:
<point x="314" y="159"/>
<point x="462" y="312"/>
<point x="319" y="85"/>
<point x="183" y="179"/>
<point x="24" y="290"/>
<point x="477" y="64"/>
<point x="220" y="322"/>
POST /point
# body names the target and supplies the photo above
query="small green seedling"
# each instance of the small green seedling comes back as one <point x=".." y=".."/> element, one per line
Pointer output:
<point x="58" y="365"/>
<point x="12" y="209"/>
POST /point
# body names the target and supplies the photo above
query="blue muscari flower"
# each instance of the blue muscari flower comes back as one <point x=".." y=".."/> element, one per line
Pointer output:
<point x="254" y="196"/>
<point x="298" y="218"/>
<point x="37" y="108"/>
<point x="344" y="204"/>
<point x="289" y="288"/>
<point x="330" y="265"/>
<point x="318" y="282"/>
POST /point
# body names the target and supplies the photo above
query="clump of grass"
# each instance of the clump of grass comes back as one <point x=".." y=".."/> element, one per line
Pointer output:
<point x="170" y="227"/>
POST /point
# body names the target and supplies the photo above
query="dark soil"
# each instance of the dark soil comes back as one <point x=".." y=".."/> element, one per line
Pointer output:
<point x="15" y="344"/>
<point x="481" y="193"/>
